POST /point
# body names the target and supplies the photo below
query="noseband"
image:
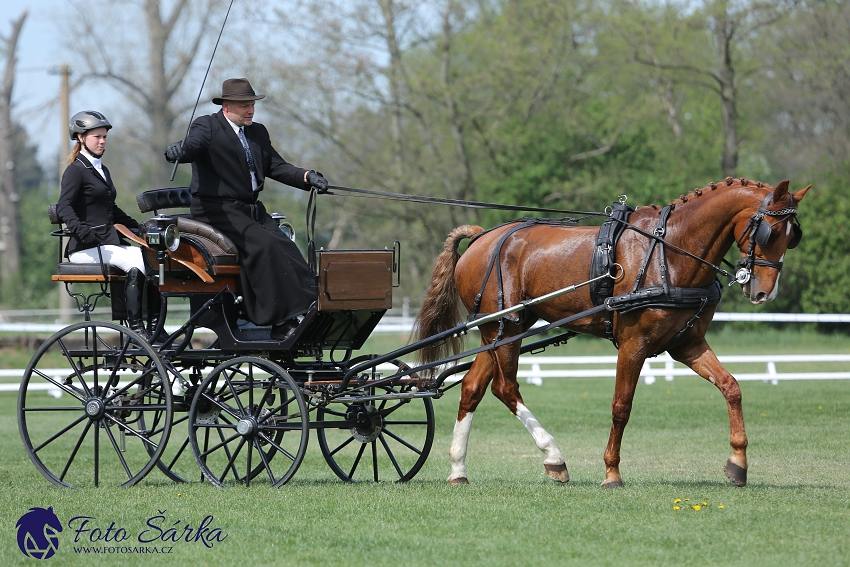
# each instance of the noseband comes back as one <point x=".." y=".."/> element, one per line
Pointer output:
<point x="758" y="230"/>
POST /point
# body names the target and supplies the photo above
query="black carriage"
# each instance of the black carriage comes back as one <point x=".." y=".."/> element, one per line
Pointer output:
<point x="240" y="407"/>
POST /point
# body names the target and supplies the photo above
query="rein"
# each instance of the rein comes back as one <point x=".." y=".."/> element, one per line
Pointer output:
<point x="459" y="203"/>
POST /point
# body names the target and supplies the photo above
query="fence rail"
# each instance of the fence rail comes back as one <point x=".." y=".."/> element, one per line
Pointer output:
<point x="535" y="368"/>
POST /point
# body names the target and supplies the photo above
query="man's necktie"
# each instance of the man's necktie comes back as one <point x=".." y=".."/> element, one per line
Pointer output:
<point x="247" y="151"/>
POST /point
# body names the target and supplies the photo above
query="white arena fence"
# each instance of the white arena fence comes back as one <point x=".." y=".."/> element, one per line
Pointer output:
<point x="535" y="368"/>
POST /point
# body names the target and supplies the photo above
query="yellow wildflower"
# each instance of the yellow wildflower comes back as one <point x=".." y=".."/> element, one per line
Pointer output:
<point x="676" y="508"/>
<point x="697" y="507"/>
<point x="677" y="500"/>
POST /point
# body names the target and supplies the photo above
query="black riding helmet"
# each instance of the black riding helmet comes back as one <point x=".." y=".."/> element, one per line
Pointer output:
<point x="87" y="120"/>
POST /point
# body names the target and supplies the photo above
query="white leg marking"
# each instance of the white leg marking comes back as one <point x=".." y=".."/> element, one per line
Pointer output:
<point x="457" y="452"/>
<point x="545" y="442"/>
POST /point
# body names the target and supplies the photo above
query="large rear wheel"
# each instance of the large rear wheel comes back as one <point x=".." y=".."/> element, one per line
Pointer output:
<point x="86" y="402"/>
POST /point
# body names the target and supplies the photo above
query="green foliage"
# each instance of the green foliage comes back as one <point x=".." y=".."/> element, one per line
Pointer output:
<point x="33" y="287"/>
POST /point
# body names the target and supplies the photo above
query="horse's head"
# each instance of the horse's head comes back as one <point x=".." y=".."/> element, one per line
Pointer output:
<point x="772" y="229"/>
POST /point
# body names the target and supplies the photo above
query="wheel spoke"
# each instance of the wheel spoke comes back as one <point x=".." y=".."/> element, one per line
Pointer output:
<point x="67" y="389"/>
<point x="131" y="431"/>
<point x="97" y="453"/>
<point x="342" y="445"/>
<point x="277" y="447"/>
<point x="391" y="456"/>
<point x="357" y="460"/>
<point x="179" y="453"/>
<point x="118" y="451"/>
<point x="61" y="432"/>
<point x="231" y="463"/>
<point x="402" y="441"/>
<point x="70" y="359"/>
<point x="74" y="452"/>
<point x="266" y="464"/>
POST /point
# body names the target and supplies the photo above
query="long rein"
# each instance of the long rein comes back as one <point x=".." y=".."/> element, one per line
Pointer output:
<point x="501" y="207"/>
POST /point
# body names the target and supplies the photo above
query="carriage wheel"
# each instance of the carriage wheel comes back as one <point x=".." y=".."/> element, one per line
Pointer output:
<point x="85" y="404"/>
<point x="248" y="423"/>
<point x="377" y="440"/>
<point x="177" y="461"/>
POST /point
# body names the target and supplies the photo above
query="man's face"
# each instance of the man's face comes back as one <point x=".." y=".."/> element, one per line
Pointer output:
<point x="240" y="113"/>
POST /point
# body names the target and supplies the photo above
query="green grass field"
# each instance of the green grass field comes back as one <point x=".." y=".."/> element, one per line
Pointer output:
<point x="795" y="510"/>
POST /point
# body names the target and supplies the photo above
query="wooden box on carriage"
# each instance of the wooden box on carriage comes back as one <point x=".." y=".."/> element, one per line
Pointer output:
<point x="355" y="279"/>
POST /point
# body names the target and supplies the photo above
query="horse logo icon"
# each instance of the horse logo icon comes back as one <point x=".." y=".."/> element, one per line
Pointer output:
<point x="38" y="533"/>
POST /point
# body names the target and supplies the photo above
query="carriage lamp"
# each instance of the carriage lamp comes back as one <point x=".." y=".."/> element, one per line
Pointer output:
<point x="284" y="226"/>
<point x="161" y="235"/>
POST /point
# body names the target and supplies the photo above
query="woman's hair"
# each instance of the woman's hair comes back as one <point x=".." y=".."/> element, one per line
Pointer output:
<point x="75" y="152"/>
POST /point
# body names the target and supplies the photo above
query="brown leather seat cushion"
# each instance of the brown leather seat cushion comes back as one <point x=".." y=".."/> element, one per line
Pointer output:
<point x="220" y="247"/>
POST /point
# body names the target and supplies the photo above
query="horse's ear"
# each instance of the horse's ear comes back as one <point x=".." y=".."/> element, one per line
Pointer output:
<point x="798" y="196"/>
<point x="780" y="190"/>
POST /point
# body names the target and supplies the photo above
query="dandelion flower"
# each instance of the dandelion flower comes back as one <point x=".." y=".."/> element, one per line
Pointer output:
<point x="721" y="506"/>
<point x="697" y="507"/>
<point x="705" y="503"/>
<point x="677" y="500"/>
<point x="676" y="508"/>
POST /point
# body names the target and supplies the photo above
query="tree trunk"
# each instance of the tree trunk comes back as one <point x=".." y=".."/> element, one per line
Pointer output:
<point x="10" y="231"/>
<point x="724" y="31"/>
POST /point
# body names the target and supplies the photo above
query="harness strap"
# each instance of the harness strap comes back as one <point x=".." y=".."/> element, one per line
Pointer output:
<point x="604" y="252"/>
<point x="671" y="297"/>
<point x="495" y="262"/>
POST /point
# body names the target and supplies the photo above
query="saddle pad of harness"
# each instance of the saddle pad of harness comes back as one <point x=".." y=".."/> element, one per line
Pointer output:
<point x="604" y="251"/>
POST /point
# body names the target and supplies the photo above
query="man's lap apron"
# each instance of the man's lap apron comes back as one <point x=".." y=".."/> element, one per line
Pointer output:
<point x="276" y="281"/>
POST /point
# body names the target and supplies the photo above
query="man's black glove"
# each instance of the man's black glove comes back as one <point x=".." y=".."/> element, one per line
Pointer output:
<point x="174" y="152"/>
<point x="317" y="180"/>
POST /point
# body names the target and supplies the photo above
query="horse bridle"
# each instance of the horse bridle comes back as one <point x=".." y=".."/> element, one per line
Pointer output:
<point x="758" y="230"/>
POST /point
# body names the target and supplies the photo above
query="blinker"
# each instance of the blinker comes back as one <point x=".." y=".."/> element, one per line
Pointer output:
<point x="796" y="235"/>
<point x="763" y="233"/>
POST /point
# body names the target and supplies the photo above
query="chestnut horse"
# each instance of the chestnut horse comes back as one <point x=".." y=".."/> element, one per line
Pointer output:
<point x="542" y="258"/>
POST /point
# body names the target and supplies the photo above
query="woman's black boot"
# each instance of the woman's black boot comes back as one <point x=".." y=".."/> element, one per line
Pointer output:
<point x="133" y="292"/>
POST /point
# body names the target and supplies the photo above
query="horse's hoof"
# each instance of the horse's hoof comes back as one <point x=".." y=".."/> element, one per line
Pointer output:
<point x="558" y="473"/>
<point x="459" y="480"/>
<point x="612" y="484"/>
<point x="736" y="474"/>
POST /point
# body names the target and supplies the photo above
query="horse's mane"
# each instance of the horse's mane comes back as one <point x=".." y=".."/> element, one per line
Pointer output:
<point x="729" y="182"/>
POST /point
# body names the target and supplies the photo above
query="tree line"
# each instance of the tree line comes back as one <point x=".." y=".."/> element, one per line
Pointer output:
<point x="563" y="104"/>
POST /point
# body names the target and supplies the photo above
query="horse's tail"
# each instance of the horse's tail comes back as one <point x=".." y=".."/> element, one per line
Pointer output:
<point x="440" y="310"/>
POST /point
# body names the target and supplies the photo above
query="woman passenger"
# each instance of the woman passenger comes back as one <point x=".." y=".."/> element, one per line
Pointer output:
<point x="87" y="207"/>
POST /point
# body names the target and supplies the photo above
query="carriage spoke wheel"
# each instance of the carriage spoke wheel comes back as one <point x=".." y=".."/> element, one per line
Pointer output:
<point x="248" y="424"/>
<point x="86" y="402"/>
<point x="377" y="440"/>
<point x="176" y="462"/>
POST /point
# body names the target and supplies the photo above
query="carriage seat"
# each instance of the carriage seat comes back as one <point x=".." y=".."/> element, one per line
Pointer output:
<point x="78" y="273"/>
<point x="215" y="247"/>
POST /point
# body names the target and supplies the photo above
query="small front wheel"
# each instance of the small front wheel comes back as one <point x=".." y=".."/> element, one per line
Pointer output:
<point x="383" y="436"/>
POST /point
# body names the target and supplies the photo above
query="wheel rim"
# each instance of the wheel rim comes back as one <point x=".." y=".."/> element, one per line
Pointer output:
<point x="380" y="440"/>
<point x="84" y="400"/>
<point x="248" y="424"/>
